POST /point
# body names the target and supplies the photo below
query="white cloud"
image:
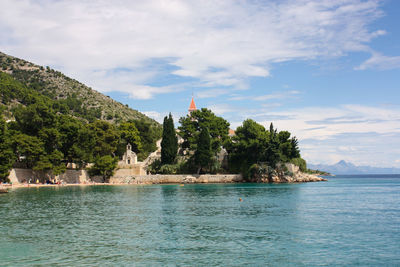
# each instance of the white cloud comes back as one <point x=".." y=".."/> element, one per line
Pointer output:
<point x="154" y="115"/>
<point x="380" y="62"/>
<point x="360" y="134"/>
<point x="216" y="43"/>
<point x="221" y="109"/>
<point x="283" y="95"/>
<point x="273" y="96"/>
<point x="364" y="135"/>
<point x="159" y="116"/>
<point x="323" y="122"/>
<point x="211" y="93"/>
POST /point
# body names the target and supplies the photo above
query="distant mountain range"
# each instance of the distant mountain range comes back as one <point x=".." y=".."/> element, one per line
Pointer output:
<point x="343" y="167"/>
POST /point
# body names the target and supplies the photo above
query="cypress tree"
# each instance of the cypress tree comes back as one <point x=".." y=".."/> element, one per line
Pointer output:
<point x="203" y="154"/>
<point x="169" y="143"/>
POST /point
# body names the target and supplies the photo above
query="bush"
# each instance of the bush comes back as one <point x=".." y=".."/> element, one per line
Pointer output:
<point x="154" y="167"/>
<point x="169" y="169"/>
<point x="104" y="166"/>
<point x="301" y="163"/>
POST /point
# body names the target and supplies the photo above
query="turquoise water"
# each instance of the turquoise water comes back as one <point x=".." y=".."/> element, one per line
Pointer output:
<point x="346" y="221"/>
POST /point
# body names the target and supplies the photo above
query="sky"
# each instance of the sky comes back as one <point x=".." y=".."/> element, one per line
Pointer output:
<point x="328" y="71"/>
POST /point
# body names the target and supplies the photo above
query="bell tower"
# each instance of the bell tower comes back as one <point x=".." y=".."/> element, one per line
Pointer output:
<point x="192" y="106"/>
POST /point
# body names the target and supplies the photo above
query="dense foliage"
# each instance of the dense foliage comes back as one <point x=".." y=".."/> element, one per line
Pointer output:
<point x="129" y="135"/>
<point x="148" y="134"/>
<point x="254" y="144"/>
<point x="46" y="133"/>
<point x="203" y="154"/>
<point x="192" y="125"/>
<point x="45" y="136"/>
<point x="169" y="143"/>
<point x="104" y="166"/>
<point x="6" y="154"/>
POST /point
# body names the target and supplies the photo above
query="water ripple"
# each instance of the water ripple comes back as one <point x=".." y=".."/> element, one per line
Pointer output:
<point x="342" y="222"/>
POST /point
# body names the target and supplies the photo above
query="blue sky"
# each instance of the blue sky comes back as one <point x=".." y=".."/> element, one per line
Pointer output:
<point x="327" y="71"/>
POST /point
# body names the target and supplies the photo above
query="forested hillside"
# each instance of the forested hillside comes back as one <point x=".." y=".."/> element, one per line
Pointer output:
<point x="46" y="134"/>
<point x="71" y="95"/>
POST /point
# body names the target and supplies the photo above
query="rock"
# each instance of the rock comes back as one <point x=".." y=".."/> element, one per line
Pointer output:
<point x="291" y="175"/>
<point x="189" y="179"/>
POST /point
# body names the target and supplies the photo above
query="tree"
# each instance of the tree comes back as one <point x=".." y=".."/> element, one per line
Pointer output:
<point x="295" y="151"/>
<point x="83" y="149"/>
<point x="192" y="125"/>
<point x="104" y="166"/>
<point x="203" y="154"/>
<point x="70" y="131"/>
<point x="253" y="144"/>
<point x="28" y="149"/>
<point x="35" y="117"/>
<point x="248" y="146"/>
<point x="51" y="163"/>
<point x="149" y="134"/>
<point x="129" y="135"/>
<point x="169" y="143"/>
<point x="106" y="138"/>
<point x="6" y="154"/>
<point x="285" y="146"/>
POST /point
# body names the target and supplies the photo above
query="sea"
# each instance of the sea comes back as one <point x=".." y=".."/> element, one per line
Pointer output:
<point x="346" y="221"/>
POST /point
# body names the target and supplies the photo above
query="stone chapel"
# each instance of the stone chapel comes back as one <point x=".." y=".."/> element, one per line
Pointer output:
<point x="129" y="157"/>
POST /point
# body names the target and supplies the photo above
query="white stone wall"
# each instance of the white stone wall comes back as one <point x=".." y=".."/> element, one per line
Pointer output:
<point x="122" y="176"/>
<point x="74" y="177"/>
<point x="18" y="176"/>
<point x="175" y="179"/>
<point x="135" y="169"/>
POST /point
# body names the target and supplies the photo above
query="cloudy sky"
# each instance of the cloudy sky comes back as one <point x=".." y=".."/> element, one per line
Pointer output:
<point x="326" y="70"/>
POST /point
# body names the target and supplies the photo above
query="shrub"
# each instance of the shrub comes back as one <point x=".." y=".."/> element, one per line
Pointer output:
<point x="301" y="163"/>
<point x="169" y="169"/>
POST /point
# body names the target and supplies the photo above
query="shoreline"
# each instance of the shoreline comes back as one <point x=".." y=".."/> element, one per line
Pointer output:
<point x="7" y="187"/>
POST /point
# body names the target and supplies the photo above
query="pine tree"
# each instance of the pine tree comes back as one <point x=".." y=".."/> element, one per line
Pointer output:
<point x="169" y="143"/>
<point x="272" y="152"/>
<point x="203" y="154"/>
<point x="6" y="155"/>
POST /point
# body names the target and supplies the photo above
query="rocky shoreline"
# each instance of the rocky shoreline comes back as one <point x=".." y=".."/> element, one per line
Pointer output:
<point x="287" y="173"/>
<point x="175" y="179"/>
<point x="20" y="178"/>
<point x="298" y="178"/>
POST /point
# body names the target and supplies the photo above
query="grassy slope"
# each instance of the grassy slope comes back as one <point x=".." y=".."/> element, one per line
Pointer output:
<point x="57" y="86"/>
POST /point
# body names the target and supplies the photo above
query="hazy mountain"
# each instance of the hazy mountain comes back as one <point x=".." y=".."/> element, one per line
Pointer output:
<point x="85" y="101"/>
<point x="343" y="167"/>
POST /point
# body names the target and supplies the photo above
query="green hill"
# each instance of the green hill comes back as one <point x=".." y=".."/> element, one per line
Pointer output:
<point x="80" y="100"/>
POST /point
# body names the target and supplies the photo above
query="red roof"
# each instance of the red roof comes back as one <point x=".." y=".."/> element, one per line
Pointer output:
<point x="192" y="105"/>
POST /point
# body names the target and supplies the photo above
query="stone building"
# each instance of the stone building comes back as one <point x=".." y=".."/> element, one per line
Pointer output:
<point x="129" y="164"/>
<point x="129" y="157"/>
